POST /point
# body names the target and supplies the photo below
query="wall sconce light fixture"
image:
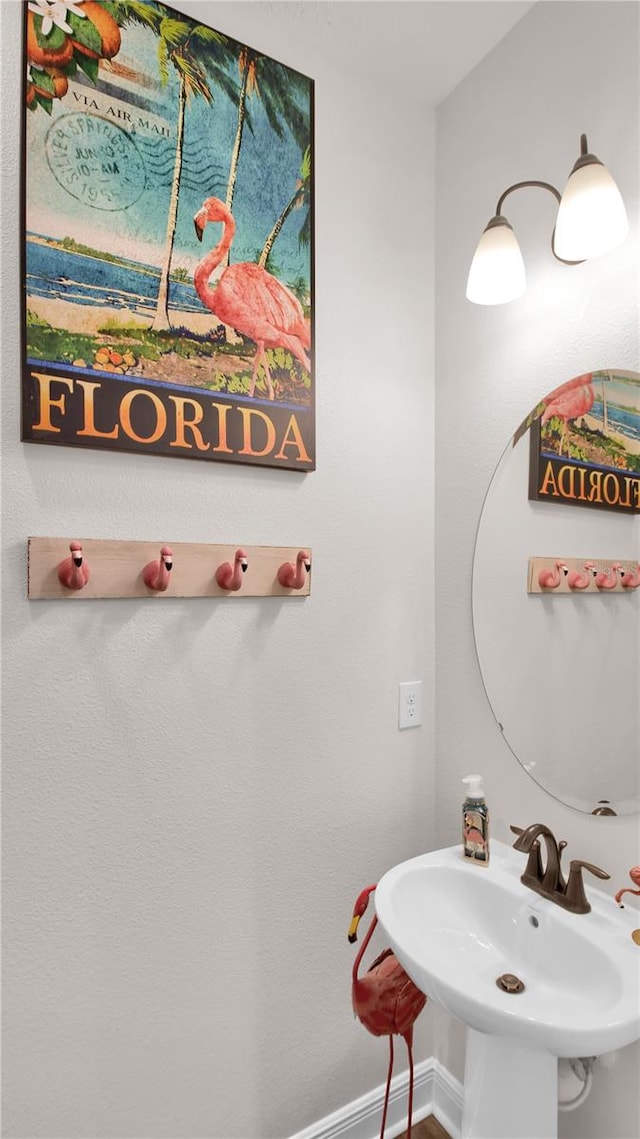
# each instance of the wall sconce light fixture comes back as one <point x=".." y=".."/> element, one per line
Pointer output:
<point x="591" y="220"/>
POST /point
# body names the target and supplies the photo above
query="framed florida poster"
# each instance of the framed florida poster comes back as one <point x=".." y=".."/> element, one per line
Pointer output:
<point x="585" y="443"/>
<point x="167" y="238"/>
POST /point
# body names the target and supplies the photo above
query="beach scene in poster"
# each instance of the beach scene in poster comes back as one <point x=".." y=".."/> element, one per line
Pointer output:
<point x="168" y="217"/>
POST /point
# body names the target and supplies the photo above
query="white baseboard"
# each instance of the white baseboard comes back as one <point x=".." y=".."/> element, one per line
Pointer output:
<point x="435" y="1092"/>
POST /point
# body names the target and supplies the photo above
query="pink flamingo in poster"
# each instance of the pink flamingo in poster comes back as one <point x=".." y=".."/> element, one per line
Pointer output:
<point x="569" y="402"/>
<point x="385" y="1000"/>
<point x="249" y="299"/>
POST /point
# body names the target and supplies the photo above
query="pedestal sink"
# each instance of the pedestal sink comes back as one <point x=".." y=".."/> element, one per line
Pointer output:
<point x="457" y="928"/>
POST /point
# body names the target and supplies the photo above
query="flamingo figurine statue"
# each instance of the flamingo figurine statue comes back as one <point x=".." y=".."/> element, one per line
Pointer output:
<point x="293" y="577"/>
<point x="157" y="575"/>
<point x="249" y="299"/>
<point x="385" y="1000"/>
<point x="630" y="580"/>
<point x="230" y="576"/>
<point x="577" y="580"/>
<point x="634" y="875"/>
<point x="73" y="572"/>
<point x="550" y="579"/>
<point x="608" y="580"/>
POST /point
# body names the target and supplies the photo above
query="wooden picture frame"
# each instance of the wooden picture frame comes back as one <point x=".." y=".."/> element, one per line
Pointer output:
<point x="167" y="218"/>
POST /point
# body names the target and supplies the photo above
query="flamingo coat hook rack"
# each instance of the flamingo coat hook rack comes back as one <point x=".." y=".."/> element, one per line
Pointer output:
<point x="565" y="576"/>
<point x="230" y="576"/>
<point x="73" y="572"/>
<point x="128" y="569"/>
<point x="294" y="576"/>
<point x="157" y="575"/>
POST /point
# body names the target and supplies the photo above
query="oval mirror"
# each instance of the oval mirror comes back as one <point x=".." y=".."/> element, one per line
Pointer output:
<point x="561" y="669"/>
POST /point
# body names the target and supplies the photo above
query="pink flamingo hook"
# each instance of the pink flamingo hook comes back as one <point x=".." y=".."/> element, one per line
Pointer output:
<point x="293" y="576"/>
<point x="577" y="580"/>
<point x="230" y="576"/>
<point x="550" y="579"/>
<point x="608" y="580"/>
<point x="634" y="875"/>
<point x="73" y="572"/>
<point x="630" y="580"/>
<point x="157" y="575"/>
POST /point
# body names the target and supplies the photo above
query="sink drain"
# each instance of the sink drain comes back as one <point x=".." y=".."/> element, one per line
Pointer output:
<point x="509" y="983"/>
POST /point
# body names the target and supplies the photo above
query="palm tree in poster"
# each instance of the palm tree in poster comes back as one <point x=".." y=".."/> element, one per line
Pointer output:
<point x="198" y="55"/>
<point x="299" y="198"/>
<point x="282" y="93"/>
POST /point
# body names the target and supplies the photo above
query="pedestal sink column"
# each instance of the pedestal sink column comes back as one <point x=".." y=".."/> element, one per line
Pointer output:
<point x="510" y="1090"/>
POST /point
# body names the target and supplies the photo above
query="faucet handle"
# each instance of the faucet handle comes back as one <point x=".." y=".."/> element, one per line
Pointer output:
<point x="575" y="897"/>
<point x="533" y="870"/>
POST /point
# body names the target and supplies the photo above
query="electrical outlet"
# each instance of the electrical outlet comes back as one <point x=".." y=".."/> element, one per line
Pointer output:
<point x="410" y="704"/>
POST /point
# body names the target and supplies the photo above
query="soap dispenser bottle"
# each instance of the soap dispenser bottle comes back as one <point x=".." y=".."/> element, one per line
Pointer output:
<point x="475" y="822"/>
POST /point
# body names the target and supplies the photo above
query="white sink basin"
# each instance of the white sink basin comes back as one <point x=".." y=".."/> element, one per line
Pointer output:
<point x="457" y="927"/>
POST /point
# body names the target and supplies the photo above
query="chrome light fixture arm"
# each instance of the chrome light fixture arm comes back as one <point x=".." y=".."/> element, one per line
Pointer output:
<point x="543" y="186"/>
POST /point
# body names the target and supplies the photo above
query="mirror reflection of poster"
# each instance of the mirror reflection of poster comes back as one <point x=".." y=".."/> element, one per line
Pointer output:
<point x="168" y="238"/>
<point x="585" y="443"/>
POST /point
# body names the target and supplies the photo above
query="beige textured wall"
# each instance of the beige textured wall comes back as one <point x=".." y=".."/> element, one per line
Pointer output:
<point x="194" y="793"/>
<point x="566" y="68"/>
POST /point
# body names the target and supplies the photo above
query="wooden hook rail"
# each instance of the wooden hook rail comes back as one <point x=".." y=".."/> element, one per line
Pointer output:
<point x="582" y="575"/>
<point x="88" y="569"/>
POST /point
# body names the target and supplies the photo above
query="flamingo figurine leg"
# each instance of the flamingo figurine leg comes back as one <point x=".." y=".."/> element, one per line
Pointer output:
<point x="408" y="1036"/>
<point x="387" y="1089"/>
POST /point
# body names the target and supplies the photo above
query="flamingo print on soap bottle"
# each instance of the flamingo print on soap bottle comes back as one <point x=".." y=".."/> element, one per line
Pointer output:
<point x="249" y="299"/>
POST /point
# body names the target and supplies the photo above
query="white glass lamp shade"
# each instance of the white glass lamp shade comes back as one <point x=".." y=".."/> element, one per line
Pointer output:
<point x="591" y="217"/>
<point x="497" y="270"/>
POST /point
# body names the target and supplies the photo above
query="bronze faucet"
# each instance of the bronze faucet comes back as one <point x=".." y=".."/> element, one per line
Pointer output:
<point x="550" y="882"/>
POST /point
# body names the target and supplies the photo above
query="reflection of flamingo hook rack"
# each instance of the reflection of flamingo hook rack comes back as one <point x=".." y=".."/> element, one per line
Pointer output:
<point x="293" y="577"/>
<point x="577" y="580"/>
<point x="157" y="575"/>
<point x="230" y="576"/>
<point x="608" y="580"/>
<point x="550" y="579"/>
<point x="73" y="572"/>
<point x="630" y="580"/>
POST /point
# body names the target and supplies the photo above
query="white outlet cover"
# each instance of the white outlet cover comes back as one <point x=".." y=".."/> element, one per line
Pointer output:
<point x="410" y="704"/>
